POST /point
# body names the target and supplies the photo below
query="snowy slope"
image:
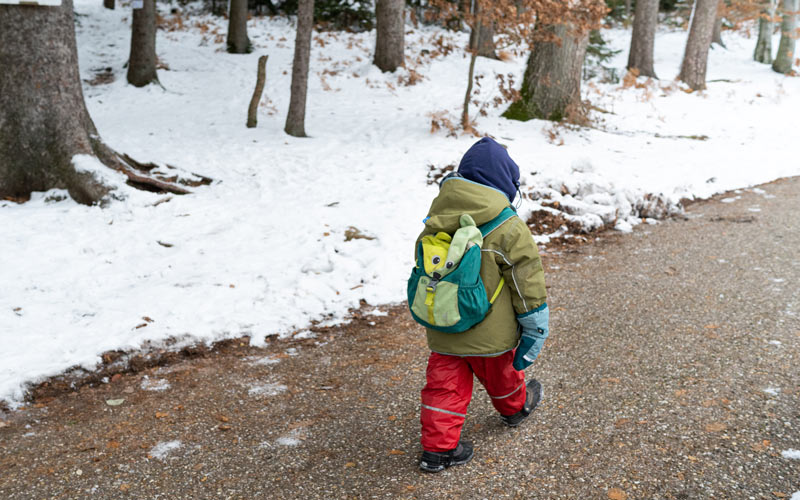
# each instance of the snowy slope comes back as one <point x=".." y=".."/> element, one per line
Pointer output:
<point x="262" y="250"/>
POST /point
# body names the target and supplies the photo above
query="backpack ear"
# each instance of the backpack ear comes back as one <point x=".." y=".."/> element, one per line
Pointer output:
<point x="466" y="220"/>
<point x="464" y="238"/>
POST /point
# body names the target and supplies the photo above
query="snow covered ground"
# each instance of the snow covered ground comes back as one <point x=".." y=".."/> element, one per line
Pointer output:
<point x="262" y="251"/>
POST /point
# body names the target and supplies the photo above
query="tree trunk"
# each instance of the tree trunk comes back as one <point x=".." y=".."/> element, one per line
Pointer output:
<point x="44" y="122"/>
<point x="465" y="124"/>
<point x="785" y="57"/>
<point x="295" y="119"/>
<point x="238" y="43"/>
<point x="628" y="9"/>
<point x="643" y="38"/>
<point x="763" y="52"/>
<point x="716" y="36"/>
<point x="390" y="31"/>
<point x="142" y="61"/>
<point x="481" y="39"/>
<point x="695" y="58"/>
<point x="108" y="4"/>
<point x="261" y="77"/>
<point x="552" y="80"/>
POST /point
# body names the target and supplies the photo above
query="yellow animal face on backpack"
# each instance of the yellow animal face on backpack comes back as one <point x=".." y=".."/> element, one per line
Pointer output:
<point x="434" y="251"/>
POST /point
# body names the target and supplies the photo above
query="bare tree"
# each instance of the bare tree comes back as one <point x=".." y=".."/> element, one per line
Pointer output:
<point x="645" y="19"/>
<point x="44" y="123"/>
<point x="552" y="80"/>
<point x="785" y="57"/>
<point x="695" y="58"/>
<point x="481" y="40"/>
<point x="716" y="36"/>
<point x="763" y="52"/>
<point x="390" y="34"/>
<point x="142" y="61"/>
<point x="238" y="43"/>
<point x="296" y="117"/>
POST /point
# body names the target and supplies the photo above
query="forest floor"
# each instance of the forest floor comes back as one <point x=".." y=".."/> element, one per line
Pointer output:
<point x="673" y="371"/>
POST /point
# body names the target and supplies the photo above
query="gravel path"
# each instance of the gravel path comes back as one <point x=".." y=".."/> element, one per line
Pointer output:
<point x="673" y="371"/>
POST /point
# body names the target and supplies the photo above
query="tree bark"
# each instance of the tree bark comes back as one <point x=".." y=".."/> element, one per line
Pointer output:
<point x="295" y="119"/>
<point x="43" y="118"/>
<point x="481" y="39"/>
<point x="695" y="58"/>
<point x="552" y="80"/>
<point x="763" y="52"/>
<point x="109" y="4"/>
<point x="390" y="34"/>
<point x="785" y="57"/>
<point x="261" y="76"/>
<point x="645" y="19"/>
<point x="142" y="61"/>
<point x="716" y="36"/>
<point x="238" y="43"/>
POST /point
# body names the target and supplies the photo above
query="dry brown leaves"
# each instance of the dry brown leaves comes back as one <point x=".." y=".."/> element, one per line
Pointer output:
<point x="617" y="494"/>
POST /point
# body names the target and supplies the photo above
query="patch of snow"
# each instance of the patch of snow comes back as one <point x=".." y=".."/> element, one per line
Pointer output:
<point x="304" y="334"/>
<point x="376" y="312"/>
<point x="268" y="389"/>
<point x="158" y="384"/>
<point x="162" y="449"/>
<point x="754" y="209"/>
<point x="729" y="200"/>
<point x="795" y="496"/>
<point x="777" y="280"/>
<point x="791" y="453"/>
<point x="266" y="360"/>
<point x="89" y="164"/>
<point x="772" y="391"/>
<point x="775" y="342"/>
<point x="288" y="441"/>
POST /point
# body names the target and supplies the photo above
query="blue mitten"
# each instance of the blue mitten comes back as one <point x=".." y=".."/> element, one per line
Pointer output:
<point x="535" y="328"/>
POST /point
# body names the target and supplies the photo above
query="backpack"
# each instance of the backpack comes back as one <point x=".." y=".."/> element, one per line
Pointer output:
<point x="445" y="290"/>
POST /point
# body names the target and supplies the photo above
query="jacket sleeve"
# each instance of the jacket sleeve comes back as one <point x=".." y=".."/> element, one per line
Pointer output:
<point x="522" y="268"/>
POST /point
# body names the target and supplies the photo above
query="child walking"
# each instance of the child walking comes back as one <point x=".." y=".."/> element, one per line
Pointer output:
<point x="510" y="336"/>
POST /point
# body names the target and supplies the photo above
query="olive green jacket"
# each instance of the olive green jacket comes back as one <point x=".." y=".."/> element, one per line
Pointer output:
<point x="508" y="251"/>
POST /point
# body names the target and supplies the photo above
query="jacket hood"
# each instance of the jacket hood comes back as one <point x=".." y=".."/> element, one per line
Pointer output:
<point x="459" y="196"/>
<point x="488" y="163"/>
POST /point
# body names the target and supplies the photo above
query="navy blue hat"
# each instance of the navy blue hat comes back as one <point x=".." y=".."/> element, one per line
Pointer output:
<point x="488" y="163"/>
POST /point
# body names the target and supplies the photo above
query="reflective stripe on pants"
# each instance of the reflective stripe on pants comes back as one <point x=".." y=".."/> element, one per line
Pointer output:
<point x="448" y="391"/>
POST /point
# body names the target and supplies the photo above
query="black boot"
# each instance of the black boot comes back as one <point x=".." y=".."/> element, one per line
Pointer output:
<point x="433" y="461"/>
<point x="533" y="395"/>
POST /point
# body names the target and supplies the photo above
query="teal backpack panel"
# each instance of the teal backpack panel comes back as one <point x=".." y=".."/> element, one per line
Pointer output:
<point x="458" y="301"/>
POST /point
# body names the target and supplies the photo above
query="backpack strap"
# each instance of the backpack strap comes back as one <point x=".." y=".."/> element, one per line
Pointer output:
<point x="493" y="224"/>
<point x="490" y="226"/>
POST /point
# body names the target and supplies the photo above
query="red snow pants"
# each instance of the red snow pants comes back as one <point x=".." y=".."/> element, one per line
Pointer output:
<point x="448" y="391"/>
